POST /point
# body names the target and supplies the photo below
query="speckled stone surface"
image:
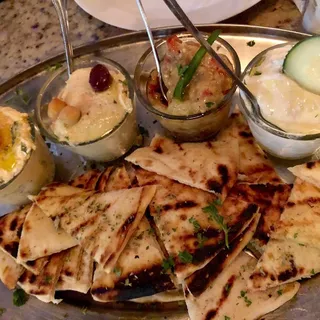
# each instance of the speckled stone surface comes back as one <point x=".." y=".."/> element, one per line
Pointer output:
<point x="30" y="32"/>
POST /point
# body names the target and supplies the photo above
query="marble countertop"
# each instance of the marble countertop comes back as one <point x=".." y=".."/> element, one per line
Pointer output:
<point x="30" y="32"/>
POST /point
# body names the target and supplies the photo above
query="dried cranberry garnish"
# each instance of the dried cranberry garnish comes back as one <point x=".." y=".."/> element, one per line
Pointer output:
<point x="100" y="78"/>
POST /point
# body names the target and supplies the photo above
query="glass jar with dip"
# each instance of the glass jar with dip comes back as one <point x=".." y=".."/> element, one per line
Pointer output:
<point x="284" y="103"/>
<point x="26" y="164"/>
<point x="92" y="113"/>
<point x="206" y="104"/>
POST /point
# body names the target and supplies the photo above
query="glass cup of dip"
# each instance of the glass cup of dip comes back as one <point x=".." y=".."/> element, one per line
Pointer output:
<point x="298" y="138"/>
<point x="192" y="127"/>
<point x="106" y="132"/>
<point x="26" y="165"/>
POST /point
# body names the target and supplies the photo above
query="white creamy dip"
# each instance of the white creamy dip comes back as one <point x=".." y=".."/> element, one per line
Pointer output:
<point x="100" y="111"/>
<point x="283" y="102"/>
<point x="16" y="143"/>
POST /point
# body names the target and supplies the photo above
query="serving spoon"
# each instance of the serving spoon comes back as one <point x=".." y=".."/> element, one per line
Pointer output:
<point x="153" y="48"/>
<point x="186" y="22"/>
<point x="61" y="8"/>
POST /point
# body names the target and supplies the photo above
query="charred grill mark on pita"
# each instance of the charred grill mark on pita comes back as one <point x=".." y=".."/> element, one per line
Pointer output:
<point x="127" y="223"/>
<point x="214" y="185"/>
<point x="14" y="224"/>
<point x="84" y="224"/>
<point x="310" y="165"/>
<point x="12" y="248"/>
<point x="290" y="273"/>
<point x="245" y="134"/>
<point x="158" y="149"/>
<point x="31" y="263"/>
<point x="224" y="173"/>
<point x="224" y="295"/>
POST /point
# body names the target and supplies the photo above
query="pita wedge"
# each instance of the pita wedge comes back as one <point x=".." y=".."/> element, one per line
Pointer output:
<point x="211" y="166"/>
<point x="271" y="200"/>
<point x="162" y="297"/>
<point x="254" y="166"/>
<point x="11" y="226"/>
<point x="40" y="238"/>
<point x="77" y="271"/>
<point x="227" y="296"/>
<point x="190" y="236"/>
<point x="10" y="271"/>
<point x="43" y="285"/>
<point x="102" y="223"/>
<point x="309" y="172"/>
<point x="88" y="180"/>
<point x="138" y="272"/>
<point x="294" y="249"/>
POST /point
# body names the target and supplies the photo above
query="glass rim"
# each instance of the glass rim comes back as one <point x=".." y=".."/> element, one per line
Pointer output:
<point x="79" y="61"/>
<point x="33" y="137"/>
<point x="262" y="123"/>
<point x="147" y="104"/>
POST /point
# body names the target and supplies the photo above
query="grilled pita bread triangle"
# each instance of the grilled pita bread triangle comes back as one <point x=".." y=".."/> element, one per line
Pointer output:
<point x="101" y="222"/>
<point x="77" y="271"/>
<point x="10" y="271"/>
<point x="309" y="172"/>
<point x="227" y="296"/>
<point x="40" y="238"/>
<point x="294" y="249"/>
<point x="254" y="165"/>
<point x="43" y="285"/>
<point x="138" y="271"/>
<point x="88" y="180"/>
<point x="182" y="225"/>
<point x="211" y="166"/>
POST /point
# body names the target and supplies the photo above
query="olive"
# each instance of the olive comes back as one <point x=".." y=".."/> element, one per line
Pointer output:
<point x="100" y="78"/>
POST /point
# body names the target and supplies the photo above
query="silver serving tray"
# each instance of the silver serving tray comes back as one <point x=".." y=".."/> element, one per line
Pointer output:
<point x="126" y="50"/>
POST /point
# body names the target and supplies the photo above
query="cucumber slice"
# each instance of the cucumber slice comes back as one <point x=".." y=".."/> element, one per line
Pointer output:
<point x="302" y="64"/>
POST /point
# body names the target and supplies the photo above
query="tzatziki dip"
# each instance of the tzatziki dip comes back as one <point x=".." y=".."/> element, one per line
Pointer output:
<point x="93" y="102"/>
<point x="16" y="143"/>
<point x="283" y="101"/>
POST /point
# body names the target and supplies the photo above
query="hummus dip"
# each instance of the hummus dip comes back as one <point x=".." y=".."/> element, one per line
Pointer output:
<point x="97" y="113"/>
<point x="282" y="101"/>
<point x="207" y="88"/>
<point x="16" y="143"/>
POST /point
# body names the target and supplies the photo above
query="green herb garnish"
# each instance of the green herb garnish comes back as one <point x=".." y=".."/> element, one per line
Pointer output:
<point x="13" y="131"/>
<point x="313" y="272"/>
<point x="117" y="271"/>
<point x="19" y="297"/>
<point x="47" y="279"/>
<point x="24" y="148"/>
<point x="280" y="292"/>
<point x="251" y="43"/>
<point x="195" y="223"/>
<point x="257" y="73"/>
<point x="182" y="69"/>
<point x="201" y="239"/>
<point x="2" y="311"/>
<point x="209" y="104"/>
<point x="84" y="310"/>
<point x="143" y="131"/>
<point x="213" y="214"/>
<point x="193" y="66"/>
<point x="185" y="257"/>
<point x="127" y="283"/>
<point x="54" y="67"/>
<point x="227" y="318"/>
<point x="168" y="264"/>
<point x="243" y="294"/>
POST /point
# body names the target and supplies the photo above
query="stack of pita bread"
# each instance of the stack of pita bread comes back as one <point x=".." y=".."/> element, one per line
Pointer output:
<point x="176" y="216"/>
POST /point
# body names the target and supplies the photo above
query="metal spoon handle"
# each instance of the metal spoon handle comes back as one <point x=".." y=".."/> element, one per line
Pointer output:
<point x="153" y="47"/>
<point x="61" y="8"/>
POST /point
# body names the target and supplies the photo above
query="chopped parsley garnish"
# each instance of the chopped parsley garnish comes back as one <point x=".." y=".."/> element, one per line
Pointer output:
<point x="168" y="264"/>
<point x="227" y="318"/>
<point x="251" y="43"/>
<point x="195" y="223"/>
<point x="280" y="292"/>
<point x="127" y="283"/>
<point x="124" y="82"/>
<point x="301" y="245"/>
<point x="24" y="148"/>
<point x="143" y="131"/>
<point x="84" y="310"/>
<point x="13" y="131"/>
<point x="117" y="271"/>
<point x="19" y="297"/>
<point x="47" y="279"/>
<point x="227" y="287"/>
<point x="213" y="214"/>
<point x="54" y="67"/>
<point x="201" y="239"/>
<point x="313" y="272"/>
<point x="150" y="231"/>
<point x="182" y="69"/>
<point x="174" y="229"/>
<point x="185" y="257"/>
<point x="243" y="294"/>
<point x="295" y="235"/>
<point x="209" y="104"/>
<point x="2" y="311"/>
<point x="257" y="73"/>
<point x="158" y="209"/>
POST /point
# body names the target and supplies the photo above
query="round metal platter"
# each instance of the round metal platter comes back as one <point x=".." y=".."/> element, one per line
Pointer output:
<point x="21" y="92"/>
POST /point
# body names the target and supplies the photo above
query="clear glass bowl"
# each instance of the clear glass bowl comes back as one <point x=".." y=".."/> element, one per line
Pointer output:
<point x="111" y="145"/>
<point x="37" y="172"/>
<point x="284" y="145"/>
<point x="196" y="127"/>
